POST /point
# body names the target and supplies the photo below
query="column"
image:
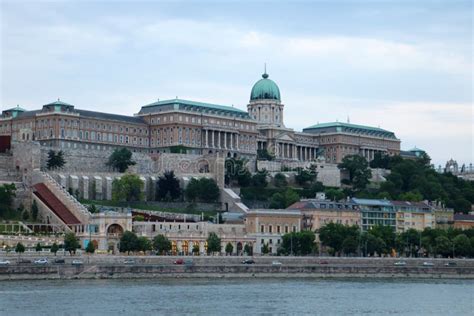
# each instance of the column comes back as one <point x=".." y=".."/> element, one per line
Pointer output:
<point x="225" y="140"/>
<point x="231" y="141"/>
<point x="206" y="142"/>
<point x="213" y="143"/>
<point x="237" y="141"/>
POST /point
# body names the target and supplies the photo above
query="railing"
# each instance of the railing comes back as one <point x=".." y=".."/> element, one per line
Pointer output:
<point x="75" y="206"/>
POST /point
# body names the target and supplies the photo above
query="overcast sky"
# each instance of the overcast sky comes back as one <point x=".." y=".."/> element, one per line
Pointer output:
<point x="402" y="66"/>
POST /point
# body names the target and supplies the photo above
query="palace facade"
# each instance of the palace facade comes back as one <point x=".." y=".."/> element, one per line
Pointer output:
<point x="198" y="128"/>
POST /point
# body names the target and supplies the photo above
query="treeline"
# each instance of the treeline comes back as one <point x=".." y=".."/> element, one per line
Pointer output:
<point x="340" y="240"/>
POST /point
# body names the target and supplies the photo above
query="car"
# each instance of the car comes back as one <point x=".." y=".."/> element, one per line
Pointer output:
<point x="24" y="261"/>
<point x="428" y="264"/>
<point x="248" y="261"/>
<point x="76" y="262"/>
<point x="188" y="262"/>
<point x="450" y="264"/>
<point x="59" y="261"/>
<point x="323" y="262"/>
<point x="42" y="261"/>
<point x="129" y="261"/>
<point x="179" y="261"/>
<point x="4" y="262"/>
<point x="276" y="263"/>
<point x="400" y="263"/>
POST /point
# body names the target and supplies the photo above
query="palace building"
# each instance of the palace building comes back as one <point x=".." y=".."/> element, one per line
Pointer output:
<point x="197" y="128"/>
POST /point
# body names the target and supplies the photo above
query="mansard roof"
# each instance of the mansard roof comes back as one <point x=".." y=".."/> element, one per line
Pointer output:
<point x="333" y="127"/>
<point x="108" y="116"/>
<point x="179" y="104"/>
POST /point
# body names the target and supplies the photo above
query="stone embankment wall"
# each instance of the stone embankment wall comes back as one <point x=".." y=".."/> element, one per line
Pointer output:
<point x="209" y="267"/>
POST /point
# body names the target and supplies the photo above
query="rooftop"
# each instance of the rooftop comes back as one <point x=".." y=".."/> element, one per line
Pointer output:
<point x="209" y="106"/>
<point x="348" y="125"/>
<point x="373" y="202"/>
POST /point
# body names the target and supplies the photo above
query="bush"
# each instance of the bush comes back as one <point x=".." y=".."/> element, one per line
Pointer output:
<point x="203" y="189"/>
<point x="128" y="188"/>
<point x="120" y="159"/>
<point x="168" y="188"/>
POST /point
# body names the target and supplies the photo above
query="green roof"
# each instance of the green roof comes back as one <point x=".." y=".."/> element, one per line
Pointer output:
<point x="59" y="102"/>
<point x="265" y="89"/>
<point x="17" y="108"/>
<point x="196" y="104"/>
<point x="348" y="125"/>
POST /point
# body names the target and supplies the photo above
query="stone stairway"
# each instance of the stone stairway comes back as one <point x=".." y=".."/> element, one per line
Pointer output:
<point x="234" y="204"/>
<point x="70" y="202"/>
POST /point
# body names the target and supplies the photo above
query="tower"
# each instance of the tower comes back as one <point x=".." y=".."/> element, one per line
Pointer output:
<point x="265" y="103"/>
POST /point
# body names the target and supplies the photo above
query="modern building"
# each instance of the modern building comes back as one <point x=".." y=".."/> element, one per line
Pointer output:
<point x="376" y="212"/>
<point x="415" y="215"/>
<point x="197" y="128"/>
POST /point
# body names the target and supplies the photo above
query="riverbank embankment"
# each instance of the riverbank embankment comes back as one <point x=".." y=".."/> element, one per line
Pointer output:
<point x="129" y="267"/>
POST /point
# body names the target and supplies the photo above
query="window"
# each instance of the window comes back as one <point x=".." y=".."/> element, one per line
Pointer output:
<point x="262" y="228"/>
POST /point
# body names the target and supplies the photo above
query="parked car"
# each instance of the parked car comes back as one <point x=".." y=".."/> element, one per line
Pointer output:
<point x="4" y="262"/>
<point x="76" y="262"/>
<point x="323" y="262"/>
<point x="129" y="261"/>
<point x="428" y="264"/>
<point x="248" y="261"/>
<point x="450" y="264"/>
<point x="59" y="261"/>
<point x="24" y="261"/>
<point x="179" y="261"/>
<point x="42" y="261"/>
<point x="276" y="263"/>
<point x="400" y="263"/>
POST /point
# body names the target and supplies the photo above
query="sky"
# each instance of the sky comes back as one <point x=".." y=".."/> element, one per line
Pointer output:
<point x="405" y="66"/>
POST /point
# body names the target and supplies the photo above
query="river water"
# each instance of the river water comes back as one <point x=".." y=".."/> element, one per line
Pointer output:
<point x="237" y="297"/>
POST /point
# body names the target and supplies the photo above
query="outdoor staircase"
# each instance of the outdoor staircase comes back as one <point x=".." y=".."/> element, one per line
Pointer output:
<point x="54" y="204"/>
<point x="71" y="204"/>
<point x="233" y="201"/>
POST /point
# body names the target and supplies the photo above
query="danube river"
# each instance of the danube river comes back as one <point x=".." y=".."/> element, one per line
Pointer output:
<point x="237" y="297"/>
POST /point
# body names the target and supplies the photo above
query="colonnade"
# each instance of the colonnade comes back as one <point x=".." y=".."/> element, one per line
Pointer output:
<point x="369" y="154"/>
<point x="221" y="139"/>
<point x="291" y="151"/>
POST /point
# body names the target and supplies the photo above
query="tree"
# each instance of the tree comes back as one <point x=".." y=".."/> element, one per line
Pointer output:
<point x="260" y="179"/>
<point x="92" y="209"/>
<point x="34" y="210"/>
<point x="143" y="244"/>
<point x="19" y="249"/>
<point x="213" y="243"/>
<point x="265" y="249"/>
<point x="168" y="188"/>
<point x="333" y="235"/>
<point x="236" y="171"/>
<point x="54" y="248"/>
<point x="280" y="180"/>
<point x="284" y="199"/>
<point x="350" y="245"/>
<point x="263" y="154"/>
<point x="443" y="246"/>
<point x="203" y="189"/>
<point x="55" y="160"/>
<point x="387" y="234"/>
<point x="120" y="160"/>
<point x="248" y="250"/>
<point x="90" y="247"/>
<point x="7" y="193"/>
<point x="358" y="169"/>
<point x="196" y="249"/>
<point x="71" y="243"/>
<point x="298" y="243"/>
<point x="229" y="248"/>
<point x="128" y="242"/>
<point x="161" y="244"/>
<point x="304" y="177"/>
<point x="334" y="194"/>
<point x="38" y="247"/>
<point x="128" y="188"/>
<point x="462" y="245"/>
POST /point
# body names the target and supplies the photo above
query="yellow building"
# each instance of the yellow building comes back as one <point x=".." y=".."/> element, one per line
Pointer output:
<point x="319" y="212"/>
<point x="416" y="215"/>
<point x="268" y="226"/>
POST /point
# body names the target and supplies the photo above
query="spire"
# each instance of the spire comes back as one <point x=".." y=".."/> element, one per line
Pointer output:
<point x="265" y="75"/>
<point x="348" y="119"/>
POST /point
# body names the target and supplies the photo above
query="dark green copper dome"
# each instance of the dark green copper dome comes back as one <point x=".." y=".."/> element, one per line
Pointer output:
<point x="265" y="89"/>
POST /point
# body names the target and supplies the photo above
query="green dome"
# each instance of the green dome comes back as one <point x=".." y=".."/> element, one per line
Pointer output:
<point x="265" y="89"/>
